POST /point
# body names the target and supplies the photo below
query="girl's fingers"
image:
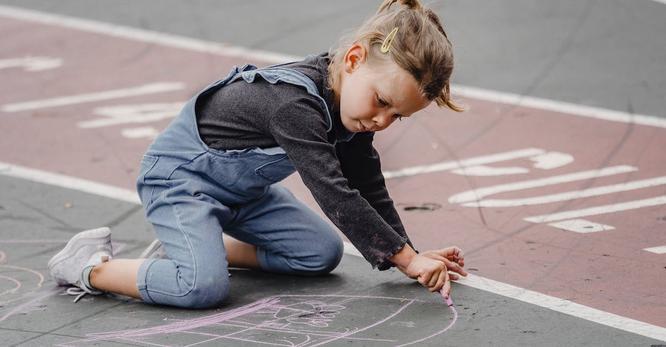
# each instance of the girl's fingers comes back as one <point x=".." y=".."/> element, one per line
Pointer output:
<point x="453" y="254"/>
<point x="446" y="289"/>
<point x="440" y="282"/>
<point x="424" y="278"/>
<point x="434" y="278"/>
<point x="450" y="251"/>
<point x="454" y="277"/>
<point x="452" y="266"/>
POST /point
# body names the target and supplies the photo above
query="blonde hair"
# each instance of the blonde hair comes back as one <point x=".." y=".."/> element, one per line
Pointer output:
<point x="420" y="47"/>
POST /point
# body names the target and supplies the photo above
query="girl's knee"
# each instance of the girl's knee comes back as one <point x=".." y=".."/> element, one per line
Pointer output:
<point x="328" y="257"/>
<point x="337" y="250"/>
<point x="203" y="287"/>
<point x="207" y="292"/>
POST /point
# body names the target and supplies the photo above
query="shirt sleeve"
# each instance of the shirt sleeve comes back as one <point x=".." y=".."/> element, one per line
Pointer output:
<point x="361" y="165"/>
<point x="299" y="128"/>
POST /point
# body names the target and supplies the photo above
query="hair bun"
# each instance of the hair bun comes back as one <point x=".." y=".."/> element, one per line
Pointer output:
<point x="410" y="4"/>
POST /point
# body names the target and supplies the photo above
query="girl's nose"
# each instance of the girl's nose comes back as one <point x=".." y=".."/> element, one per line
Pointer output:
<point x="383" y="120"/>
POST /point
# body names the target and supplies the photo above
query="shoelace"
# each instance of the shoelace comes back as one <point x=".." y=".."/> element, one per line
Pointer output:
<point x="80" y="292"/>
<point x="80" y="289"/>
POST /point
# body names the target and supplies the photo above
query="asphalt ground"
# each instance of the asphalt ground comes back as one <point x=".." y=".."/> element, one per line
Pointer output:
<point x="523" y="150"/>
<point x="347" y="307"/>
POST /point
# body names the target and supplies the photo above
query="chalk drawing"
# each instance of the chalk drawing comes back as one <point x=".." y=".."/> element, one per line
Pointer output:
<point x="21" y="288"/>
<point x="290" y="320"/>
<point x="23" y="292"/>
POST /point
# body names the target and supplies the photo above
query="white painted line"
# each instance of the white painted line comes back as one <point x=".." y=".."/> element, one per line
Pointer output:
<point x="105" y="95"/>
<point x="566" y="307"/>
<point x="558" y="106"/>
<point x="32" y="64"/>
<point x="474" y="161"/>
<point x="143" y="35"/>
<point x="273" y="58"/>
<point x="571" y="195"/>
<point x="544" y="161"/>
<point x="485" y="284"/>
<point x="656" y="250"/>
<point x="474" y="196"/>
<point x="483" y="170"/>
<point x="138" y="133"/>
<point x="581" y="226"/>
<point x="68" y="182"/>
<point x="552" y="160"/>
<point x="660" y="1"/>
<point x="126" y="114"/>
<point x="597" y="210"/>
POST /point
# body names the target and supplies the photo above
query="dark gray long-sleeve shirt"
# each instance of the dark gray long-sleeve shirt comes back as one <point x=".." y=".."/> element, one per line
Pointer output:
<point x="345" y="178"/>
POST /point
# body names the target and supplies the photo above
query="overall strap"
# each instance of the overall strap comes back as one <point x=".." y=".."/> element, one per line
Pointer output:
<point x="275" y="74"/>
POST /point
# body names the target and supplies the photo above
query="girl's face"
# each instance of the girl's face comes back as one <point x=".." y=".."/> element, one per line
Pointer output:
<point x="373" y="97"/>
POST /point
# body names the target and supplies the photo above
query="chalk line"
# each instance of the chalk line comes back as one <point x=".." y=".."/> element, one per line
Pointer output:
<point x="26" y="304"/>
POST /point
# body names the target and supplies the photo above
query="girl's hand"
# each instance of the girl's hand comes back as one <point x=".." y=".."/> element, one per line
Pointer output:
<point x="452" y="257"/>
<point x="431" y="273"/>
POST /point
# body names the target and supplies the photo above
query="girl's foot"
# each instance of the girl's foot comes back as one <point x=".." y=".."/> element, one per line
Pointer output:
<point x="83" y="251"/>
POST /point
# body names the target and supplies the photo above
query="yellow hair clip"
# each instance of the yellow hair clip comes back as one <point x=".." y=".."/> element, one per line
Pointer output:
<point x="386" y="46"/>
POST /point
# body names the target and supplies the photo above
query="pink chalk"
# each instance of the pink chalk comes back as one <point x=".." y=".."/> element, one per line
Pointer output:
<point x="447" y="299"/>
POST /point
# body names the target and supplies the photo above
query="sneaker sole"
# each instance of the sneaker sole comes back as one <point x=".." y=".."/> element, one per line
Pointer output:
<point x="93" y="234"/>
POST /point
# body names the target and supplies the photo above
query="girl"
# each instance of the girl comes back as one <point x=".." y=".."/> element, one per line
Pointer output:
<point x="215" y="169"/>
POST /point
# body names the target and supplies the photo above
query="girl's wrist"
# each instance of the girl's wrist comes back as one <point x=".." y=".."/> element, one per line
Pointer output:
<point x="404" y="257"/>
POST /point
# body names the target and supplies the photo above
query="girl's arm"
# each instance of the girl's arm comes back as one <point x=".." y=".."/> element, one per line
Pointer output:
<point x="361" y="165"/>
<point x="301" y="131"/>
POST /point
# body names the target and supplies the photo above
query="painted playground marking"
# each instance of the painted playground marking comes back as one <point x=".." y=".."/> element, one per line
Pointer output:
<point x="92" y="97"/>
<point x="544" y="160"/>
<point x="488" y="285"/>
<point x="69" y="182"/>
<point x="31" y="64"/>
<point x="182" y="42"/>
<point x="656" y="250"/>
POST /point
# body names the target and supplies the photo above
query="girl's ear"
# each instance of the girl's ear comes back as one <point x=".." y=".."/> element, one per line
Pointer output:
<point x="355" y="56"/>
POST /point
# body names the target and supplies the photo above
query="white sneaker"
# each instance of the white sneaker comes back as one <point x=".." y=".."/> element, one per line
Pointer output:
<point x="90" y="247"/>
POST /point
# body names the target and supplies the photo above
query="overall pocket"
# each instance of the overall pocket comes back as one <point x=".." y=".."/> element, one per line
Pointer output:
<point x="277" y="168"/>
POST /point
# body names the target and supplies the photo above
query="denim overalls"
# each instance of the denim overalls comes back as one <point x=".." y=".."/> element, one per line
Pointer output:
<point x="192" y="194"/>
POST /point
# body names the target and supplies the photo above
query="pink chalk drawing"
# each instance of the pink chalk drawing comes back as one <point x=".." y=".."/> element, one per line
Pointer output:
<point x="22" y="297"/>
<point x="289" y="320"/>
<point x="21" y="288"/>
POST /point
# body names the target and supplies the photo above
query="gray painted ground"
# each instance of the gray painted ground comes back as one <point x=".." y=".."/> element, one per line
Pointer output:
<point x="603" y="53"/>
<point x="384" y="308"/>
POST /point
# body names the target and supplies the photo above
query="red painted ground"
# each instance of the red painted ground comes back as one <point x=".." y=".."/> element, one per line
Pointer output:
<point x="605" y="270"/>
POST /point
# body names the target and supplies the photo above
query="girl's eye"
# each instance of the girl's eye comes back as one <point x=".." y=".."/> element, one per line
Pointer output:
<point x="381" y="101"/>
<point x="398" y="117"/>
